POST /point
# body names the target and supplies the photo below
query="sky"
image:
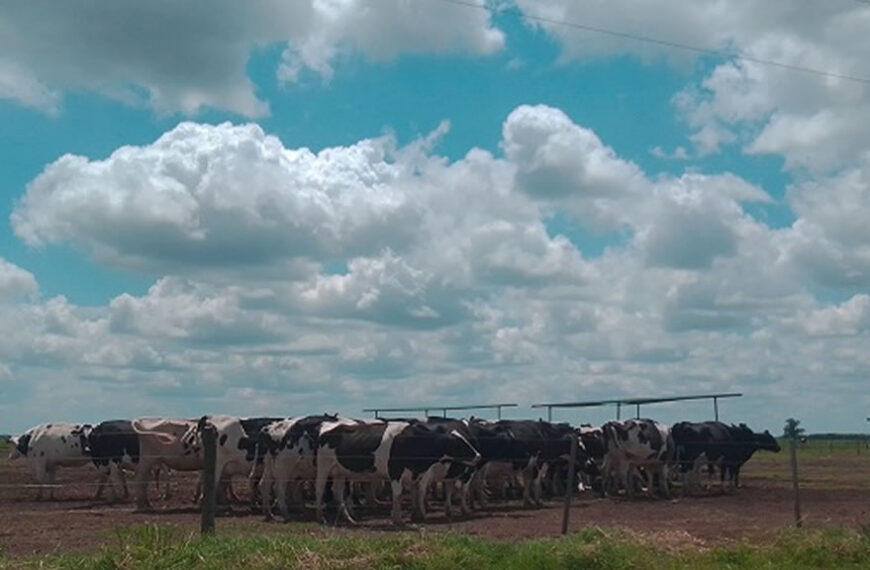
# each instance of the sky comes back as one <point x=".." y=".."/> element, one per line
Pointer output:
<point x="283" y="208"/>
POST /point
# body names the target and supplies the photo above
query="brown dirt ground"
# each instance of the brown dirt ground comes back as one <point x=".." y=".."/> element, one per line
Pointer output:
<point x="836" y="492"/>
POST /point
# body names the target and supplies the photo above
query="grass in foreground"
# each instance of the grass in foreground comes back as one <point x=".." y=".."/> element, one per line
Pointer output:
<point x="159" y="547"/>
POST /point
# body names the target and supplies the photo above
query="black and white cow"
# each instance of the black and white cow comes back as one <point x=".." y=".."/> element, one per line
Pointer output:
<point x="593" y="442"/>
<point x="46" y="447"/>
<point x="747" y="443"/>
<point x="395" y="451"/>
<point x="540" y="446"/>
<point x="287" y="450"/>
<point x="114" y="449"/>
<point x="114" y="446"/>
<point x="492" y="444"/>
<point x="635" y="446"/>
<point x="236" y="451"/>
<point x="700" y="443"/>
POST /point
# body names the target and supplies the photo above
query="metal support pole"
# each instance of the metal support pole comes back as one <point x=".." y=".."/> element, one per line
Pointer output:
<point x="498" y="411"/>
<point x="209" y="487"/>
<point x="618" y="410"/>
<point x="549" y="413"/>
<point x="637" y="410"/>
<point x="716" y="407"/>
<point x="792" y="445"/>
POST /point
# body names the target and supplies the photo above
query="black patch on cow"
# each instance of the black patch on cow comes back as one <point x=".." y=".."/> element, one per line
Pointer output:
<point x="254" y="442"/>
<point x="23" y="445"/>
<point x="307" y="427"/>
<point x="63" y="439"/>
<point x="418" y="446"/>
<point x="265" y="441"/>
<point x="712" y="439"/>
<point x="355" y="445"/>
<point x="111" y="441"/>
<point x="42" y="454"/>
<point x="223" y="439"/>
<point x="593" y="441"/>
<point x="646" y="432"/>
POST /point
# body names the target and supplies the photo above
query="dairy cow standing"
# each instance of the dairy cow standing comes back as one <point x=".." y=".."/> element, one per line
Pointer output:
<point x="169" y="442"/>
<point x="287" y="449"/>
<point x="236" y="451"/>
<point x="49" y="446"/>
<point x="114" y="446"/>
<point x="395" y="451"/>
<point x="747" y="443"/>
<point x="541" y="445"/>
<point x="635" y="445"/>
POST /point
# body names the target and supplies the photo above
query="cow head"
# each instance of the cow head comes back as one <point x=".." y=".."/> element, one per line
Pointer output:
<point x="450" y="443"/>
<point x="767" y="442"/>
<point x="459" y="449"/>
<point x="191" y="440"/>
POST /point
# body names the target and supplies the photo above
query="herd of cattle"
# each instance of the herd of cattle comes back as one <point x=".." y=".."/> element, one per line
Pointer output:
<point x="349" y="460"/>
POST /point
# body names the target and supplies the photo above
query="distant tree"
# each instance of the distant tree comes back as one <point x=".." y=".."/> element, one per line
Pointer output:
<point x="792" y="429"/>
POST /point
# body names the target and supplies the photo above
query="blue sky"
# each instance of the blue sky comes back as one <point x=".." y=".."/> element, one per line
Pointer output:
<point x="508" y="209"/>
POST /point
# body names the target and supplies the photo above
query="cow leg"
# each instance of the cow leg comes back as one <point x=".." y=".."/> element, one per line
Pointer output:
<point x="281" y="486"/>
<point x="537" y="484"/>
<point x="478" y="488"/>
<point x="122" y="480"/>
<point x="396" y="512"/>
<point x="466" y="489"/>
<point x="254" y="491"/>
<point x="371" y="494"/>
<point x="340" y="493"/>
<point x="197" y="492"/>
<point x="265" y="486"/>
<point x="422" y="488"/>
<point x="686" y="476"/>
<point x="449" y="487"/>
<point x="141" y="485"/>
<point x="167" y="489"/>
<point x="526" y="478"/>
<point x="627" y="480"/>
<point x="102" y="476"/>
<point x="319" y="491"/>
<point x="51" y="472"/>
<point x="662" y="471"/>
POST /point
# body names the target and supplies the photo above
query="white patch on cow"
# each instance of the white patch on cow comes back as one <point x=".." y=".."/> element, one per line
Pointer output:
<point x="54" y="445"/>
<point x="624" y="457"/>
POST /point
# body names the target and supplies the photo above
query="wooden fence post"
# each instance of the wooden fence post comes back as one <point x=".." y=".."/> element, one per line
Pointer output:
<point x="569" y="484"/>
<point x="792" y="444"/>
<point x="209" y="498"/>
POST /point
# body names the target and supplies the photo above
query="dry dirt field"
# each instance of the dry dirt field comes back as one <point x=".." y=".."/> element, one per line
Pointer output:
<point x="835" y="492"/>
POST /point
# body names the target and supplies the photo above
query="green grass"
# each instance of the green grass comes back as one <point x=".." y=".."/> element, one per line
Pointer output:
<point x="160" y="547"/>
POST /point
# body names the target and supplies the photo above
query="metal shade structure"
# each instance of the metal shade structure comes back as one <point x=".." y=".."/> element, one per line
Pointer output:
<point x="637" y="402"/>
<point x="444" y="409"/>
